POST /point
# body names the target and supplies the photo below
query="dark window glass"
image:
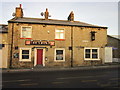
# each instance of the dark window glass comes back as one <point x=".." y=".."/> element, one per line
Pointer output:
<point x="0" y="46"/>
<point x="25" y="56"/>
<point x="59" y="54"/>
<point x="87" y="53"/>
<point x="87" y="56"/>
<point x="25" y="51"/>
<point x="94" y="53"/>
<point x="94" y="56"/>
<point x="0" y="27"/>
<point x="87" y="50"/>
<point x="94" y="50"/>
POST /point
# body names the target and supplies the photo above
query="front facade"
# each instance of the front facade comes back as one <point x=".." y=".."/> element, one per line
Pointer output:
<point x="54" y="43"/>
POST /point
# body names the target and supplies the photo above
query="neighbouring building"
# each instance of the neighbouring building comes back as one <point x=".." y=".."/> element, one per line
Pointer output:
<point x="114" y="43"/>
<point x="3" y="46"/>
<point x="54" y="43"/>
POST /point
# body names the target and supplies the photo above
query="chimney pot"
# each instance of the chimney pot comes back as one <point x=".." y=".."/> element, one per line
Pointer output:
<point x="71" y="16"/>
<point x="20" y="5"/>
<point x="46" y="14"/>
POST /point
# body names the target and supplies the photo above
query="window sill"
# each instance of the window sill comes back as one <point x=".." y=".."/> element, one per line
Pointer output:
<point x="59" y="60"/>
<point x="25" y="38"/>
<point x="91" y="59"/>
<point x="25" y="60"/>
<point x="60" y="39"/>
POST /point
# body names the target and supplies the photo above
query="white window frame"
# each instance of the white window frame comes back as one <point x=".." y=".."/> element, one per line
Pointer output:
<point x="20" y="54"/>
<point x="63" y="33"/>
<point x="98" y="49"/>
<point x="63" y="55"/>
<point x="22" y="30"/>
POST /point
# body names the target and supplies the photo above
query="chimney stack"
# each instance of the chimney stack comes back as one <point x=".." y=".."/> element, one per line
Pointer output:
<point x="19" y="11"/>
<point x="71" y="16"/>
<point x="46" y="14"/>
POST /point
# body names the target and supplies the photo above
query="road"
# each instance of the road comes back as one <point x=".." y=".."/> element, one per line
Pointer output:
<point x="98" y="78"/>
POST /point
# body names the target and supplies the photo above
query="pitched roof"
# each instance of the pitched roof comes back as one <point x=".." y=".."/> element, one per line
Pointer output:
<point x="116" y="36"/>
<point x="111" y="36"/>
<point x="52" y="22"/>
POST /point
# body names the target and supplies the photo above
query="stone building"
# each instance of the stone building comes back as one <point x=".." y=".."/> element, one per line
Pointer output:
<point x="3" y="46"/>
<point x="114" y="42"/>
<point x="54" y="43"/>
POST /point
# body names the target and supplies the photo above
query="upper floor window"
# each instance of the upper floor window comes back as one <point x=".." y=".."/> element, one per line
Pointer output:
<point x="26" y="32"/>
<point x="91" y="54"/>
<point x="59" y="34"/>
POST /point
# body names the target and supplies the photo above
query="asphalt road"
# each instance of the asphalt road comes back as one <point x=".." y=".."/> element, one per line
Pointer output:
<point x="99" y="78"/>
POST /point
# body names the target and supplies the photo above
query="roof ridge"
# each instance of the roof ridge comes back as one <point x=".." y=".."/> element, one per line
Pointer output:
<point x="53" y="21"/>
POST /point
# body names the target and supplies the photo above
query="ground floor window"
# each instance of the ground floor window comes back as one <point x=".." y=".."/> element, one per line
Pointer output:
<point x="59" y="54"/>
<point x="1" y="46"/>
<point x="91" y="53"/>
<point x="25" y="54"/>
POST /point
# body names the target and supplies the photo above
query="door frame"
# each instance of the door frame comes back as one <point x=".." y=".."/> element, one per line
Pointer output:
<point x="35" y="56"/>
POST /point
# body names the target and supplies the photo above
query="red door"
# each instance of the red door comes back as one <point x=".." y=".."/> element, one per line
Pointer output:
<point x="39" y="56"/>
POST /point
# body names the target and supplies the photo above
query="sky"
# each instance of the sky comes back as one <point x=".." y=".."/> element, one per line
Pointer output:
<point x="94" y="12"/>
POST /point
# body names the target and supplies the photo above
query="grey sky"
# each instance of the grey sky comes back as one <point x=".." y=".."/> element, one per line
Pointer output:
<point x="97" y="13"/>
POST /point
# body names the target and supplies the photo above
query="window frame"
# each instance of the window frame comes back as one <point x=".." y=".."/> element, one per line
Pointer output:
<point x="98" y="51"/>
<point x="22" y="31"/>
<point x="20" y="55"/>
<point x="63" y="34"/>
<point x="63" y="55"/>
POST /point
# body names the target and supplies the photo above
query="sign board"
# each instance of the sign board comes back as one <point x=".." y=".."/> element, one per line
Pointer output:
<point x="40" y="42"/>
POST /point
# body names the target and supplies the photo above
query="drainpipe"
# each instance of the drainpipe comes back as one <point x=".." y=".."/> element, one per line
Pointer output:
<point x="11" y="46"/>
<point x="72" y="46"/>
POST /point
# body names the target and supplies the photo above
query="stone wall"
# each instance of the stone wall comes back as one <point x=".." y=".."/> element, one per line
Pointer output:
<point x="81" y="39"/>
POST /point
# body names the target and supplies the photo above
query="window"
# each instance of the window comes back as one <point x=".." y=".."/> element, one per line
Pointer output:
<point x="59" y="34"/>
<point x="1" y="46"/>
<point x="25" y="54"/>
<point x="26" y="32"/>
<point x="91" y="54"/>
<point x="59" y="54"/>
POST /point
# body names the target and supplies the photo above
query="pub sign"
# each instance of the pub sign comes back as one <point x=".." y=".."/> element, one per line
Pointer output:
<point x="40" y="42"/>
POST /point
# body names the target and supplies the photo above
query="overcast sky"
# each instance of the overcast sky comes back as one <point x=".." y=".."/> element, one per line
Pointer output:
<point x="92" y="12"/>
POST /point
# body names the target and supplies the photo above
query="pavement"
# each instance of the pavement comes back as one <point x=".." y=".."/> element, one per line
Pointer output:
<point x="105" y="66"/>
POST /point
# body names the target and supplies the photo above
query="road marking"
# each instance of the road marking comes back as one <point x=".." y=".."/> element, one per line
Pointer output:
<point x="57" y="82"/>
<point x="104" y="84"/>
<point x="114" y="78"/>
<point x="22" y="80"/>
<point x="88" y="80"/>
<point x="17" y="80"/>
<point x="75" y="77"/>
<point x="29" y="84"/>
<point x="80" y="77"/>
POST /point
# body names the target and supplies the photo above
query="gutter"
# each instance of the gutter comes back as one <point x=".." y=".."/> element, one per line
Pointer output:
<point x="56" y="24"/>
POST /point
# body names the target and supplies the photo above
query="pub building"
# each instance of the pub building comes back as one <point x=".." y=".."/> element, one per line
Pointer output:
<point x="54" y="43"/>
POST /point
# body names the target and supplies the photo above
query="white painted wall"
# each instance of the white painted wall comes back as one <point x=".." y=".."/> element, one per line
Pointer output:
<point x="4" y="57"/>
<point x="0" y="58"/>
<point x="108" y="55"/>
